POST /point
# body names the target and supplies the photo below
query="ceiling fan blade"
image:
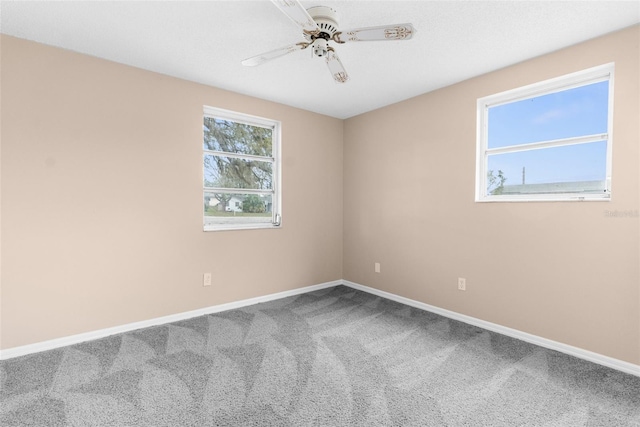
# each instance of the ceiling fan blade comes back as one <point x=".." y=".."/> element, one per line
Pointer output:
<point x="336" y="68"/>
<point x="273" y="54"/>
<point x="298" y="14"/>
<point x="384" y="32"/>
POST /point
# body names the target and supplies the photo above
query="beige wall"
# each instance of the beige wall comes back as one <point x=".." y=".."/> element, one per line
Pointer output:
<point x="102" y="203"/>
<point x="562" y="271"/>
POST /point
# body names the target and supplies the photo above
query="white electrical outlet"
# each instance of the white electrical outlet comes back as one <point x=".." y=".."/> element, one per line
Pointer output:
<point x="206" y="279"/>
<point x="376" y="267"/>
<point x="462" y="284"/>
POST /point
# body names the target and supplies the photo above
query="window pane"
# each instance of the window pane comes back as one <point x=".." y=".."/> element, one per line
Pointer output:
<point x="227" y="172"/>
<point x="220" y="209"/>
<point x="574" y="112"/>
<point x="577" y="168"/>
<point x="232" y="137"/>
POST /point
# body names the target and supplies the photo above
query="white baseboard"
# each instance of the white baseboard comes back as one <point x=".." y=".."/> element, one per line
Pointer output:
<point x="102" y="333"/>
<point x="590" y="356"/>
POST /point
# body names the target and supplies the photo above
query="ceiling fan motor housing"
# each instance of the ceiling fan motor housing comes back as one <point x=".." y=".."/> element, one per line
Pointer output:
<point x="327" y="20"/>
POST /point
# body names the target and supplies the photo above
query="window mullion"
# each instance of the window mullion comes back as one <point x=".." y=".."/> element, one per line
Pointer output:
<point x="237" y="190"/>
<point x="547" y="144"/>
<point x="239" y="156"/>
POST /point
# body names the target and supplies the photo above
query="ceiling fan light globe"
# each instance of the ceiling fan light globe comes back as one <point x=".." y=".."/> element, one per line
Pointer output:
<point x="320" y="48"/>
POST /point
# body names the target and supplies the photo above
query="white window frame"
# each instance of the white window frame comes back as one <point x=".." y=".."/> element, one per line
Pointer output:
<point x="275" y="159"/>
<point x="581" y="78"/>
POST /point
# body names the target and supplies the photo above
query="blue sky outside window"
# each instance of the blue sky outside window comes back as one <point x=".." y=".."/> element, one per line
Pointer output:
<point x="574" y="112"/>
<point x="569" y="163"/>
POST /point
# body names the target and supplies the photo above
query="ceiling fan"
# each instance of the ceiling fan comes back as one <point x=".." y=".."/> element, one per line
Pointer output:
<point x="319" y="26"/>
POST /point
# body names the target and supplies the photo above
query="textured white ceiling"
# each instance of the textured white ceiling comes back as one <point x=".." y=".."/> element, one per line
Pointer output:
<point x="204" y="41"/>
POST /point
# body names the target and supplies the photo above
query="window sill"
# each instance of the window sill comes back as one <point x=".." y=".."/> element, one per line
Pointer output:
<point x="546" y="198"/>
<point x="236" y="227"/>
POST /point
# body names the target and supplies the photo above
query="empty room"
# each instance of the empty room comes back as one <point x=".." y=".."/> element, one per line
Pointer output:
<point x="320" y="213"/>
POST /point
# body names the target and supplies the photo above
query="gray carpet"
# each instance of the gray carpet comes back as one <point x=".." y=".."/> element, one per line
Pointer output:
<point x="336" y="357"/>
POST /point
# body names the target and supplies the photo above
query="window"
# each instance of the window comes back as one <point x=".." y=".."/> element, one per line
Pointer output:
<point x="547" y="141"/>
<point x="241" y="171"/>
